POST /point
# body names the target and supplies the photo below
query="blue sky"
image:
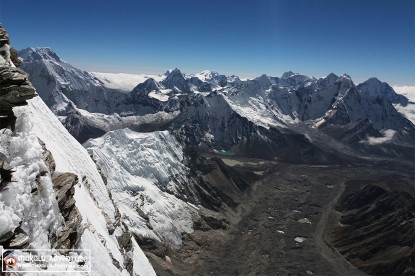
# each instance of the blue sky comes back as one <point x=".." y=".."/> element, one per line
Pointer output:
<point x="363" y="38"/>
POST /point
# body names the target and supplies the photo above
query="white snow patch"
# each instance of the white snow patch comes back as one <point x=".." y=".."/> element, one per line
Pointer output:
<point x="158" y="96"/>
<point x="304" y="220"/>
<point x="300" y="239"/>
<point x="318" y="123"/>
<point x="254" y="109"/>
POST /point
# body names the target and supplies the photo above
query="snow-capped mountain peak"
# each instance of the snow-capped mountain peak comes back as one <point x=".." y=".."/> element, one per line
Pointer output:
<point x="294" y="79"/>
<point x="148" y="86"/>
<point x="215" y="79"/>
<point x="207" y="75"/>
<point x="174" y="73"/>
<point x="331" y="77"/>
<point x="345" y="77"/>
<point x="264" y="81"/>
<point x="373" y="87"/>
<point x="345" y="83"/>
<point x="287" y="74"/>
<point x="176" y="81"/>
<point x="39" y="53"/>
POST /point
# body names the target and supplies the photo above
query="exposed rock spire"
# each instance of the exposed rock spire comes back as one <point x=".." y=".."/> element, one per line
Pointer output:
<point x="15" y="89"/>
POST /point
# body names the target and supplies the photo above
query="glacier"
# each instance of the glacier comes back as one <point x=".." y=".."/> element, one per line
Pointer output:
<point x="145" y="172"/>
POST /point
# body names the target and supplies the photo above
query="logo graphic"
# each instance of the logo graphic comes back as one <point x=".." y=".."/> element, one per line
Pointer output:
<point x="10" y="260"/>
<point x="45" y="260"/>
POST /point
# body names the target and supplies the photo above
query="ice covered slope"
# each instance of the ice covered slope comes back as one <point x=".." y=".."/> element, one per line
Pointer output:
<point x="98" y="213"/>
<point x="148" y="181"/>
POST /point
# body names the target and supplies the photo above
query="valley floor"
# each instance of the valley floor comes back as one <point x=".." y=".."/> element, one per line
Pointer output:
<point x="281" y="226"/>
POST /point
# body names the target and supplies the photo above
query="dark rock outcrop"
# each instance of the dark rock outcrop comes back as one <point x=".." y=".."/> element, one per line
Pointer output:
<point x="176" y="81"/>
<point x="47" y="157"/>
<point x="16" y="239"/>
<point x="63" y="184"/>
<point x="5" y="174"/>
<point x="4" y="37"/>
<point x="15" y="89"/>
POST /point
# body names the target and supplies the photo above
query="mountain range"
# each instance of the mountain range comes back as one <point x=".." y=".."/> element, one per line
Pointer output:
<point x="224" y="109"/>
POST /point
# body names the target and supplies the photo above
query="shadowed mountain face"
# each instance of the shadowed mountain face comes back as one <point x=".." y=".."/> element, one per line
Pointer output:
<point x="376" y="230"/>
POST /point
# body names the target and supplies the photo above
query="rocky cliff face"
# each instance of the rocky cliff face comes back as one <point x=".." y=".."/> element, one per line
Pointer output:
<point x="15" y="89"/>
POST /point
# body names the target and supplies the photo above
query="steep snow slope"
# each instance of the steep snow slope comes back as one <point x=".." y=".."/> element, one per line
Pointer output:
<point x="146" y="177"/>
<point x="251" y="101"/>
<point x="67" y="152"/>
<point x="92" y="198"/>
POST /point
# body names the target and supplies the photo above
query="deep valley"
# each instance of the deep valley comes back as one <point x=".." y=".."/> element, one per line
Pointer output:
<point x="290" y="222"/>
